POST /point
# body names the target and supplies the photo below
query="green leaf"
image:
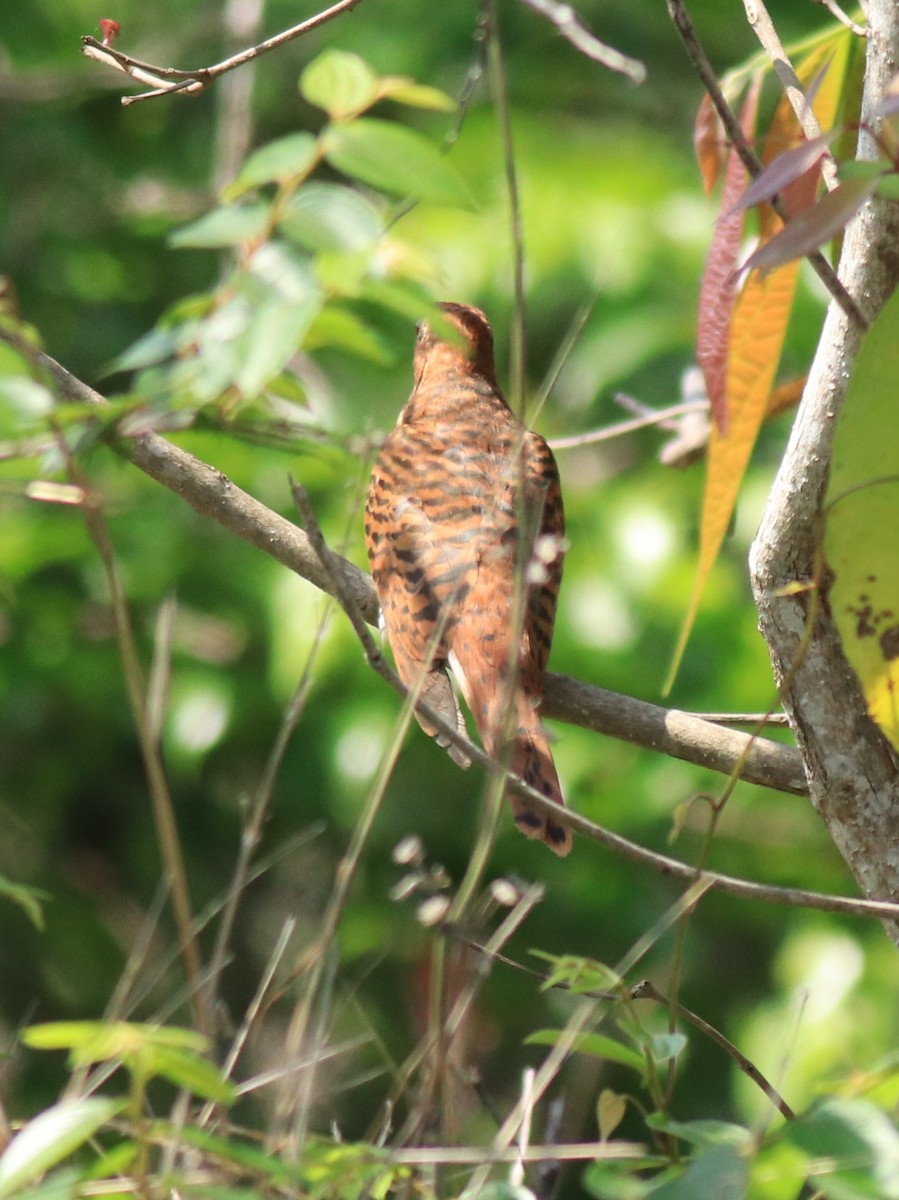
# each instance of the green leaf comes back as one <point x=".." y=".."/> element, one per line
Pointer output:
<point x="271" y="339"/>
<point x="29" y="899"/>
<point x="284" y="159"/>
<point x="718" y="1173"/>
<point x="190" y="1071"/>
<point x="396" y="160"/>
<point x="860" y="529"/>
<point x="50" y="1138"/>
<point x="341" y="83"/>
<point x="99" y="1041"/>
<point x="859" y="1142"/>
<point x="702" y="1132"/>
<point x="416" y="95"/>
<point x="157" y="346"/>
<point x="663" y="1046"/>
<point x="888" y="187"/>
<point x="595" y="1044"/>
<point x="501" y="1190"/>
<point x="336" y="327"/>
<point x="331" y="216"/>
<point x="59" y="1185"/>
<point x="579" y="974"/>
<point x="269" y="1167"/>
<point x="229" y="225"/>
<point x="608" y="1182"/>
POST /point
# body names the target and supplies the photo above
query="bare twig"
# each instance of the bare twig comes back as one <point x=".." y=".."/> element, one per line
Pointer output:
<point x="477" y="1155"/>
<point x="168" y="80"/>
<point x="565" y="20"/>
<point x="499" y="88"/>
<point x="157" y="781"/>
<point x="645" y="990"/>
<point x="761" y="24"/>
<point x="666" y="730"/>
<point x="834" y="9"/>
<point x="684" y="25"/>
<point x="580" y="1020"/>
<point x="661" y="417"/>
<point x="212" y="494"/>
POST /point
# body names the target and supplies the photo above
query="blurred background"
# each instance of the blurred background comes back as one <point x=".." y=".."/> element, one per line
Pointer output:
<point x="614" y="216"/>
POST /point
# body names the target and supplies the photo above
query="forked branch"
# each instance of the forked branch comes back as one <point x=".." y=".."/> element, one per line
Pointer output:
<point x="167" y="81"/>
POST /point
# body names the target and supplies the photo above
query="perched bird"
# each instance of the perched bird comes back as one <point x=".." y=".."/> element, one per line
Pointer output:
<point x="464" y="528"/>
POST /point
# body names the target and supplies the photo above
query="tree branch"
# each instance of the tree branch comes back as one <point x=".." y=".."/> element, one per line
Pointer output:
<point x="852" y="770"/>
<point x="168" y="80"/>
<point x="212" y="494"/>
<point x="565" y="20"/>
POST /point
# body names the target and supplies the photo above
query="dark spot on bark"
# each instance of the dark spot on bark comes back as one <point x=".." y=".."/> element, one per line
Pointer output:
<point x="889" y="643"/>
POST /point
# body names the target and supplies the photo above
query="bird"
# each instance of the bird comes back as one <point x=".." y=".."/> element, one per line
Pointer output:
<point x="464" y="528"/>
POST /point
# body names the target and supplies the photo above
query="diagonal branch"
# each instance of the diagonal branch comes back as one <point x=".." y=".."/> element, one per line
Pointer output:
<point x="566" y="21"/>
<point x="167" y="80"/>
<point x="212" y="494"/>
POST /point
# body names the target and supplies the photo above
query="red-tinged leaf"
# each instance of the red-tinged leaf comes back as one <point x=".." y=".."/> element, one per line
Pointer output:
<point x="718" y="291"/>
<point x="708" y="142"/>
<point x="785" y="169"/>
<point x="811" y="229"/>
<point x="758" y="326"/>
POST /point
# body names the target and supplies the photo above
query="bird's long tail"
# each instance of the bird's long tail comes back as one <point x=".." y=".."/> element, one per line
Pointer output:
<point x="532" y="761"/>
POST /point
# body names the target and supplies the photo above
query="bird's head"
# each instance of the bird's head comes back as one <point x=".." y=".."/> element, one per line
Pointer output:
<point x="461" y="342"/>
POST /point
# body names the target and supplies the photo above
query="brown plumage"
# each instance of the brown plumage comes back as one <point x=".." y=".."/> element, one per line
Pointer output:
<point x="461" y="493"/>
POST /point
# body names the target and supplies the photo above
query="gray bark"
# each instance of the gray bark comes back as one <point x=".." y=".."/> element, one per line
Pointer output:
<point x="852" y="772"/>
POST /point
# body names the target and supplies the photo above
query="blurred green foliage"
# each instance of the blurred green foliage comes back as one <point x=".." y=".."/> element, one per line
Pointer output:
<point x="96" y="219"/>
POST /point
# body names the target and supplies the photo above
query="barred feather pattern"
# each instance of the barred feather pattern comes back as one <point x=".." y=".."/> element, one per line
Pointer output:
<point x="464" y="527"/>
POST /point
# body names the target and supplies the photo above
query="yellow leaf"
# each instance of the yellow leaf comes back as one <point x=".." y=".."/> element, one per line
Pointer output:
<point x="610" y="1110"/>
<point x="860" y="528"/>
<point x="757" y="331"/>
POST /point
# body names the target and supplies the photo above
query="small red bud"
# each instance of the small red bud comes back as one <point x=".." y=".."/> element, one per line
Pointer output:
<point x="109" y="29"/>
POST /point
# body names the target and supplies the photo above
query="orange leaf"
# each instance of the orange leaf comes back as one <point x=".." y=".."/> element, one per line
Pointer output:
<point x="708" y="142"/>
<point x="756" y="333"/>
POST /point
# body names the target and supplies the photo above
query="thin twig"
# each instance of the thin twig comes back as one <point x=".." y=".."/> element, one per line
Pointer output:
<point x="835" y="11"/>
<point x="499" y="88"/>
<point x="665" y="730"/>
<point x="168" y="80"/>
<point x="624" y="427"/>
<point x="684" y="25"/>
<point x="251" y="833"/>
<point x="645" y="990"/>
<point x="565" y="20"/>
<point x="763" y="27"/>
<point x="476" y="1155"/>
<point x="579" y="1021"/>
<point x="210" y="493"/>
<point x="157" y="781"/>
<point x="563" y="353"/>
